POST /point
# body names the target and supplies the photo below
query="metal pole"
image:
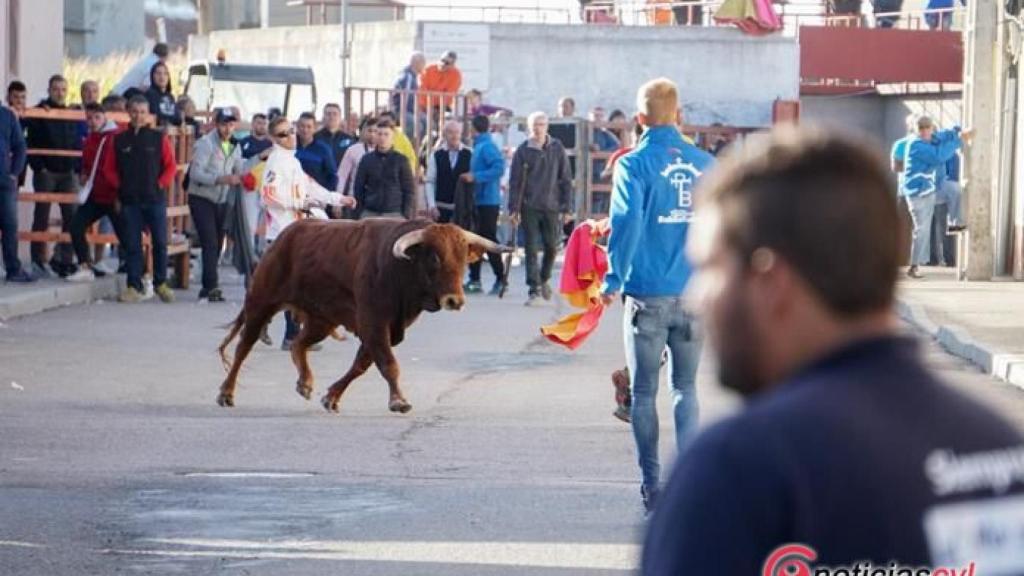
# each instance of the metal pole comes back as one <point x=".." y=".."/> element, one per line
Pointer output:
<point x="344" y="51"/>
<point x="983" y="69"/>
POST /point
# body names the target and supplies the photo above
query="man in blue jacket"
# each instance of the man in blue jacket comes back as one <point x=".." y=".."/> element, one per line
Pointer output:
<point x="925" y="154"/>
<point x="316" y="157"/>
<point x="651" y="211"/>
<point x="486" y="169"/>
<point x="12" y="162"/>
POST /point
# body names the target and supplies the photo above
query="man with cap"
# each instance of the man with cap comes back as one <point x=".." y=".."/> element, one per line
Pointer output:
<point x="217" y="165"/>
<point x="443" y="77"/>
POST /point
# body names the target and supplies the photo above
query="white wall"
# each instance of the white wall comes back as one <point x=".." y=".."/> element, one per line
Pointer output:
<point x="95" y="28"/>
<point x="724" y="75"/>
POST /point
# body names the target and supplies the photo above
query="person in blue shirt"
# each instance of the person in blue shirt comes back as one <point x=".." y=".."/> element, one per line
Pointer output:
<point x="845" y="444"/>
<point x="316" y="157"/>
<point x="486" y="168"/>
<point x="925" y="153"/>
<point x="651" y="212"/>
<point x="944" y="19"/>
<point x="258" y="141"/>
<point x="12" y="162"/>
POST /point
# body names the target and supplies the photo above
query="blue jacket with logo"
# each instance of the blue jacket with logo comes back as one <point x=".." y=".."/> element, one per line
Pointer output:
<point x="651" y="211"/>
<point x="923" y="159"/>
<point x="487" y="166"/>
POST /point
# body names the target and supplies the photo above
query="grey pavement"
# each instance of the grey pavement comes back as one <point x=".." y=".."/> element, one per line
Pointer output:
<point x="981" y="322"/>
<point x="115" y="459"/>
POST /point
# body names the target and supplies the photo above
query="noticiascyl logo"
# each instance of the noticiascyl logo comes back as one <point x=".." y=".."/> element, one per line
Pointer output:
<point x="790" y="560"/>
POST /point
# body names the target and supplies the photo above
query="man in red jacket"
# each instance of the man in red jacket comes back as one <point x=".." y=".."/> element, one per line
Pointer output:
<point x="142" y="168"/>
<point x="102" y="197"/>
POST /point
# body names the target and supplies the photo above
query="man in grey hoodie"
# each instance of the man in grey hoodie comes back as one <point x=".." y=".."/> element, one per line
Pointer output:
<point x="216" y="166"/>
<point x="540" y="196"/>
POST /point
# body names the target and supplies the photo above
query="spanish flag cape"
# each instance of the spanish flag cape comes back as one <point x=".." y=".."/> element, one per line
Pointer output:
<point x="586" y="263"/>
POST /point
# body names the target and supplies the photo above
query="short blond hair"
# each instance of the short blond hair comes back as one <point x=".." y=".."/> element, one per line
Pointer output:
<point x="658" y="100"/>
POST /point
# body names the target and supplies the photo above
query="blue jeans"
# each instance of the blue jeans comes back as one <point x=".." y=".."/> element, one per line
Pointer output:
<point x="922" y="210"/>
<point x="134" y="218"/>
<point x="9" y="225"/>
<point x="951" y="193"/>
<point x="650" y="325"/>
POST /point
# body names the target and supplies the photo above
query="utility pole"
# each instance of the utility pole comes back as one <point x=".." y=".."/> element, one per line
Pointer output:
<point x="983" y="97"/>
<point x="344" y="56"/>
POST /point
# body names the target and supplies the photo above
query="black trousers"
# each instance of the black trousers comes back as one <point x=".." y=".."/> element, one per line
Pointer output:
<point x="209" y="219"/>
<point x="86" y="215"/>
<point x="487" y="226"/>
<point x="46" y="181"/>
<point x="543" y="230"/>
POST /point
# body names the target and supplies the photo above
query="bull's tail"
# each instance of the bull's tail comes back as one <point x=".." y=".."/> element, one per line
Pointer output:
<point x="235" y="327"/>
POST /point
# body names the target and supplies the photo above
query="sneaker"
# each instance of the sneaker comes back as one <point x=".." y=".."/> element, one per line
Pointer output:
<point x="215" y="295"/>
<point x="165" y="293"/>
<point x="39" y="270"/>
<point x="496" y="289"/>
<point x="21" y="277"/>
<point x="914" y="273"/>
<point x="63" y="269"/>
<point x="122" y="268"/>
<point x="650" y="499"/>
<point x="98" y="272"/>
<point x="265" y="337"/>
<point x="83" y="275"/>
<point x="545" y="291"/>
<point x="473" y="287"/>
<point x="535" y="300"/>
<point x="957" y="228"/>
<point x="130" y="296"/>
<point x="103" y="268"/>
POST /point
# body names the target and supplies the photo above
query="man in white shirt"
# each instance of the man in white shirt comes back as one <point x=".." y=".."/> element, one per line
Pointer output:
<point x="138" y="75"/>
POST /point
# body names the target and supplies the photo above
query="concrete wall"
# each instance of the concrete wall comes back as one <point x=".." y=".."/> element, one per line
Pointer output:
<point x="724" y="76"/>
<point x="379" y="51"/>
<point x="95" y="28"/>
<point x="35" y="44"/>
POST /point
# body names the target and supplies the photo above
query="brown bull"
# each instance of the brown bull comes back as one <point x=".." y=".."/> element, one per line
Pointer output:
<point x="372" y="277"/>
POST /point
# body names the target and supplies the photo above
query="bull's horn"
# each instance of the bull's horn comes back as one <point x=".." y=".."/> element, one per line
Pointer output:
<point x="477" y="240"/>
<point x="406" y="241"/>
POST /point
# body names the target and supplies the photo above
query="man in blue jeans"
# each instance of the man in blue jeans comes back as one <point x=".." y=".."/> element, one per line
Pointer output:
<point x="142" y="168"/>
<point x="652" y="207"/>
<point x="12" y="162"/>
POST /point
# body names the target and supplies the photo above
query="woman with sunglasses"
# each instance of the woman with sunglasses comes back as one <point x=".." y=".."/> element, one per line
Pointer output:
<point x="289" y="195"/>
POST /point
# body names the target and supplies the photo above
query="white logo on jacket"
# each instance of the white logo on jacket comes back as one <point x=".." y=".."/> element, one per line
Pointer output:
<point x="681" y="176"/>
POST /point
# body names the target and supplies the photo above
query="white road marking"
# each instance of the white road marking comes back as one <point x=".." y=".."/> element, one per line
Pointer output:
<point x="571" y="555"/>
<point x="16" y="544"/>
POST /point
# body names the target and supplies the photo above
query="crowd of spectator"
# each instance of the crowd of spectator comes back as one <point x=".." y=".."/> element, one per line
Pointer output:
<point x="450" y="157"/>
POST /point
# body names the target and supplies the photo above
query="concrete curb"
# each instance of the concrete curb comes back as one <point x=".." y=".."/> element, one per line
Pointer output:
<point x="55" y="295"/>
<point x="958" y="342"/>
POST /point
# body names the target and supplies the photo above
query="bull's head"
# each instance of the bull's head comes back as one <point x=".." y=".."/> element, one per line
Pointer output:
<point x="440" y="253"/>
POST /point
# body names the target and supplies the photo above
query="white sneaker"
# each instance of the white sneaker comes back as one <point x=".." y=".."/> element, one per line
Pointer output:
<point x="83" y="275"/>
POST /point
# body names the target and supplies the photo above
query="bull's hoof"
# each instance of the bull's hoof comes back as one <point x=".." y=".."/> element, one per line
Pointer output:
<point x="225" y="400"/>
<point x="304" y="390"/>
<point x="400" y="406"/>
<point x="329" y="404"/>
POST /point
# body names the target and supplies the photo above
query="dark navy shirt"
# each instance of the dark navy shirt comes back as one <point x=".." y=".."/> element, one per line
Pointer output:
<point x="253" y="146"/>
<point x="863" y="456"/>
<point x="318" y="163"/>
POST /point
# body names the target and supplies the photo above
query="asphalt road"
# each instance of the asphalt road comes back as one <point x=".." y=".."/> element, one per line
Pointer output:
<point x="115" y="459"/>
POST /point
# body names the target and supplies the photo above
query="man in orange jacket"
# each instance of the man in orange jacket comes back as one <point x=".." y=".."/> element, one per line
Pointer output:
<point x="444" y="77"/>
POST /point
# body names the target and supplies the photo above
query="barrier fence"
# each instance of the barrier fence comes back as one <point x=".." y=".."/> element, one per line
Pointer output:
<point x="177" y="201"/>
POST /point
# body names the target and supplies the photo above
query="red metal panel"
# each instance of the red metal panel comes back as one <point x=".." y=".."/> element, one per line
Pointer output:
<point x="880" y="56"/>
<point x="786" y="112"/>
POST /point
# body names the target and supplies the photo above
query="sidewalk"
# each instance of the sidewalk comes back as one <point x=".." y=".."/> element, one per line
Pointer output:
<point x="24" y="299"/>
<point x="982" y="322"/>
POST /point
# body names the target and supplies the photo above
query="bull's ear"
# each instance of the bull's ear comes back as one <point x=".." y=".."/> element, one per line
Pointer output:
<point x="475" y="254"/>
